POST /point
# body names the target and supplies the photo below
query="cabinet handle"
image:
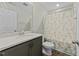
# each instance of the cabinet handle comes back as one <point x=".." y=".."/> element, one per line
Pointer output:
<point x="31" y="44"/>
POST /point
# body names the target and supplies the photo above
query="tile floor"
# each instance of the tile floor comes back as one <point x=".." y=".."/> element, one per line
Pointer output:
<point x="58" y="53"/>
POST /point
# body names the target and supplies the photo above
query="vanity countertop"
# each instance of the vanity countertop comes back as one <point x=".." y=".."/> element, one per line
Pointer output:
<point x="10" y="41"/>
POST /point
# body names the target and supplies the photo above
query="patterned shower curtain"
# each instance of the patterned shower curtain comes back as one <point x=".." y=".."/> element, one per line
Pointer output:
<point x="60" y="28"/>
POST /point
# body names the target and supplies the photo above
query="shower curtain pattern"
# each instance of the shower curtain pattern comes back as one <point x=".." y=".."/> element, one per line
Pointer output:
<point x="60" y="28"/>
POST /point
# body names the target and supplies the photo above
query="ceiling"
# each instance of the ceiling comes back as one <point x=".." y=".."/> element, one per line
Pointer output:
<point x="52" y="5"/>
<point x="46" y="5"/>
<point x="26" y="6"/>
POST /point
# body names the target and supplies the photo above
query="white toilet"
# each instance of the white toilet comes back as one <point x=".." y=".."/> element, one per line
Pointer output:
<point x="48" y="47"/>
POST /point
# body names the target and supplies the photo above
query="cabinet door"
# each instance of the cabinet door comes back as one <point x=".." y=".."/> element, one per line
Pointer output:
<point x="19" y="50"/>
<point x="0" y="54"/>
<point x="36" y="49"/>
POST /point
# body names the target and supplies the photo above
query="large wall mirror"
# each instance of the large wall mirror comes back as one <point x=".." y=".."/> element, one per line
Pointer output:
<point x="15" y="16"/>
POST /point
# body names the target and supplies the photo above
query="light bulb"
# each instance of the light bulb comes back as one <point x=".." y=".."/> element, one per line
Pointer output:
<point x="57" y="5"/>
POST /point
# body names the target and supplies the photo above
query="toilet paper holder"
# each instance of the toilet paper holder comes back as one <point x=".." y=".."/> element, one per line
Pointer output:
<point x="75" y="42"/>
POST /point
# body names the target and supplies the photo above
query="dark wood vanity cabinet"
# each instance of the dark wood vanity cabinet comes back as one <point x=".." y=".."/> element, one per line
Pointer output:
<point x="29" y="48"/>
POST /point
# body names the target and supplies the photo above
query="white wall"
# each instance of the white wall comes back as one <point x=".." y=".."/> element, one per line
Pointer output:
<point x="24" y="14"/>
<point x="38" y="14"/>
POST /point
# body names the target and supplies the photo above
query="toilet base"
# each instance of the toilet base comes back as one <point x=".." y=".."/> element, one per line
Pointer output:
<point x="47" y="52"/>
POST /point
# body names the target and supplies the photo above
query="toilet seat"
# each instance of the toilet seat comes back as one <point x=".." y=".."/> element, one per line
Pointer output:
<point x="49" y="45"/>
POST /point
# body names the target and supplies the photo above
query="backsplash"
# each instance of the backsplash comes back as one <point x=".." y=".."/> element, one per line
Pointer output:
<point x="60" y="27"/>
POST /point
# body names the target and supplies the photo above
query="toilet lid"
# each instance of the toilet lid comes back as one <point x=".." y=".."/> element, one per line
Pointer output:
<point x="48" y="44"/>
